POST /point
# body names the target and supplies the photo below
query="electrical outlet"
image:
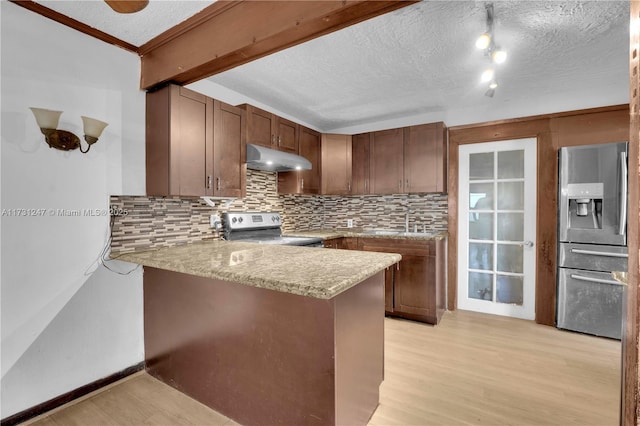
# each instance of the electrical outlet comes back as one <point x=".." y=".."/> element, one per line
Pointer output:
<point x="214" y="221"/>
<point x="349" y="223"/>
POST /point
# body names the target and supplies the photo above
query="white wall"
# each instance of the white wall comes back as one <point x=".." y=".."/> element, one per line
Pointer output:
<point x="66" y="320"/>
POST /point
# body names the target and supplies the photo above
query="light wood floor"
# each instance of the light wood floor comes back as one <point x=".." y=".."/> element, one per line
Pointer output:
<point x="472" y="369"/>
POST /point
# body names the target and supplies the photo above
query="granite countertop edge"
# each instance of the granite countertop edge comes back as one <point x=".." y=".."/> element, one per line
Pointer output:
<point x="326" y="273"/>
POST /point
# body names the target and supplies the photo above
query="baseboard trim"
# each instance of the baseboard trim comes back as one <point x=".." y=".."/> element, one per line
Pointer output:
<point x="56" y="402"/>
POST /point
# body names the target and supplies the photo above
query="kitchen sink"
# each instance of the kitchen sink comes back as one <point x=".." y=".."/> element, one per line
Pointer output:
<point x="397" y="233"/>
<point x="381" y="232"/>
<point x="415" y="234"/>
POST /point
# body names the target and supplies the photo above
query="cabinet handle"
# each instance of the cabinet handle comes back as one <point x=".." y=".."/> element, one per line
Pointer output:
<point x="400" y="184"/>
<point x="366" y="183"/>
<point x="302" y="183"/>
<point x="407" y="184"/>
<point x="273" y="139"/>
<point x="208" y="182"/>
<point x="398" y="266"/>
<point x="218" y="183"/>
<point x="279" y="140"/>
<point x="349" y="185"/>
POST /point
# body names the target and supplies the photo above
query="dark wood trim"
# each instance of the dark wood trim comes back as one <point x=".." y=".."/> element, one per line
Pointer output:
<point x="596" y="125"/>
<point x="76" y="25"/>
<point x="542" y="117"/>
<point x="203" y="47"/>
<point x="631" y="325"/>
<point x="56" y="402"/>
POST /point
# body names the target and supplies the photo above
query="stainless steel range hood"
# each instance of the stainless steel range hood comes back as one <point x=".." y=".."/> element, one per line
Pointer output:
<point x="262" y="158"/>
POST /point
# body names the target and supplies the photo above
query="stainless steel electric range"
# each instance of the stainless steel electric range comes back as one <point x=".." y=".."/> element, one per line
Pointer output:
<point x="261" y="228"/>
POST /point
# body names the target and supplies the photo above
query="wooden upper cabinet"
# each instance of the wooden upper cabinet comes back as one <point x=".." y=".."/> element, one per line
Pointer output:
<point x="425" y="158"/>
<point x="387" y="162"/>
<point x="260" y="126"/>
<point x="286" y="135"/>
<point x="267" y="129"/>
<point x="179" y="142"/>
<point x="360" y="163"/>
<point x="229" y="151"/>
<point x="336" y="164"/>
<point x="304" y="181"/>
<point x="194" y="145"/>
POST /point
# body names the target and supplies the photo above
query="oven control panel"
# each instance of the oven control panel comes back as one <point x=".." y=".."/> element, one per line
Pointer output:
<point x="251" y="220"/>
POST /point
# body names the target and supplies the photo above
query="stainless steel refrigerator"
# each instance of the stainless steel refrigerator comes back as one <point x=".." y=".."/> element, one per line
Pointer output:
<point x="592" y="236"/>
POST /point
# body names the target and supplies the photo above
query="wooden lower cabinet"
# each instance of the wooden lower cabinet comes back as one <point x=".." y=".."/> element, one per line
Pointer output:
<point x="415" y="287"/>
<point x="334" y="243"/>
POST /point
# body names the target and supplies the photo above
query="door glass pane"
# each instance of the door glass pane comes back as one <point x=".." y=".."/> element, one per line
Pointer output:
<point x="481" y="226"/>
<point x="481" y="256"/>
<point x="481" y="166"/>
<point x="511" y="164"/>
<point x="480" y="286"/>
<point x="510" y="226"/>
<point x="510" y="195"/>
<point x="481" y="196"/>
<point x="509" y="258"/>
<point x="509" y="289"/>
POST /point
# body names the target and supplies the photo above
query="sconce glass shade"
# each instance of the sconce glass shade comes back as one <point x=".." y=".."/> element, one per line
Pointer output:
<point x="92" y="127"/>
<point x="46" y="118"/>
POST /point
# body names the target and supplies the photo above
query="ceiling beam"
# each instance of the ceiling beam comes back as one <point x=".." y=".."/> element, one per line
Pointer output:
<point x="231" y="33"/>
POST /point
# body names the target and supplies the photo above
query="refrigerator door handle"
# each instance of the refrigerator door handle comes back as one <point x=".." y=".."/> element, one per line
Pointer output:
<point x="599" y="253"/>
<point x="623" y="194"/>
<point x="595" y="280"/>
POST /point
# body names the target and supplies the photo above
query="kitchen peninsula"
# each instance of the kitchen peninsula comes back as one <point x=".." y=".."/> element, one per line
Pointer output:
<point x="267" y="334"/>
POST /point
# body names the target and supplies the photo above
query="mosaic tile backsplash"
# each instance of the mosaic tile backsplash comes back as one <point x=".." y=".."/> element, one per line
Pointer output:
<point x="152" y="222"/>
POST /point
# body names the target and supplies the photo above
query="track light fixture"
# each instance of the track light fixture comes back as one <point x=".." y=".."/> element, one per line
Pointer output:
<point x="492" y="51"/>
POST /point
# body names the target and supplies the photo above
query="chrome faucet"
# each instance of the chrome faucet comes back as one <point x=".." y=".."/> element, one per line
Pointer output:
<point x="406" y="220"/>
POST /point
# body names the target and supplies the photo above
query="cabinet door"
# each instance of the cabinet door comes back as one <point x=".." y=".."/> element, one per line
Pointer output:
<point x="304" y="181"/>
<point x="389" y="278"/>
<point x="387" y="162"/>
<point x="336" y="164"/>
<point x="414" y="286"/>
<point x="261" y="127"/>
<point x="425" y="158"/>
<point x="360" y="163"/>
<point x="309" y="148"/>
<point x="229" y="155"/>
<point x="178" y="142"/>
<point x="286" y="135"/>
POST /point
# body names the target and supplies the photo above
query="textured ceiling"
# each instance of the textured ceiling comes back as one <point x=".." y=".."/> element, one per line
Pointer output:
<point x="418" y="63"/>
<point x="422" y="60"/>
<point x="135" y="28"/>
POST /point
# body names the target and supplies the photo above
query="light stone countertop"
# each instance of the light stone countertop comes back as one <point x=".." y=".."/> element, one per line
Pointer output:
<point x="330" y="234"/>
<point x="620" y="276"/>
<point x="306" y="271"/>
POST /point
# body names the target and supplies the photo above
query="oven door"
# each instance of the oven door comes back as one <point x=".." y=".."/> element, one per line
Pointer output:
<point x="590" y="302"/>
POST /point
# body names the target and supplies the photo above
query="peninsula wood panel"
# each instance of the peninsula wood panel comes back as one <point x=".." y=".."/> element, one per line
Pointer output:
<point x="293" y="360"/>
<point x="201" y="46"/>
<point x="552" y="131"/>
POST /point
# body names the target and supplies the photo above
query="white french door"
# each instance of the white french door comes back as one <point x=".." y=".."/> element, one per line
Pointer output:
<point x="497" y="227"/>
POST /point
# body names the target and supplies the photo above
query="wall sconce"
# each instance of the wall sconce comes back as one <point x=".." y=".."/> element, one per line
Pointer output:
<point x="61" y="139"/>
